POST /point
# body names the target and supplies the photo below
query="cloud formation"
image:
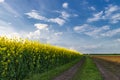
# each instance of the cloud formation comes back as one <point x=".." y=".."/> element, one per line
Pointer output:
<point x="35" y="15"/>
<point x="110" y="13"/>
<point x="40" y="26"/>
<point x="65" y="5"/>
<point x="91" y="30"/>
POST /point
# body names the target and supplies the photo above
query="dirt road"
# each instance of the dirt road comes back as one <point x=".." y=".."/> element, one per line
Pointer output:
<point x="67" y="75"/>
<point x="108" y="70"/>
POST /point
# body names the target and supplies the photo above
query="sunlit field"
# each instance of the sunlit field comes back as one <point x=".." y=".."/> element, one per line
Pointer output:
<point x="112" y="58"/>
<point x="19" y="58"/>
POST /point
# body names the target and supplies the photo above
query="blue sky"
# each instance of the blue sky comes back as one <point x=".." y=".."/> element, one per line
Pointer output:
<point x="88" y="26"/>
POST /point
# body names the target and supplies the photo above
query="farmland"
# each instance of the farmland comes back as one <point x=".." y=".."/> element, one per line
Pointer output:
<point x="112" y="58"/>
<point x="22" y="59"/>
<point x="109" y="66"/>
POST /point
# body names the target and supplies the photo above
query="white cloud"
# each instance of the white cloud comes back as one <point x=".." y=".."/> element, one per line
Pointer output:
<point x="111" y="33"/>
<point x="92" y="8"/>
<point x="57" y="20"/>
<point x="110" y="13"/>
<point x="83" y="28"/>
<point x="96" y="17"/>
<point x="65" y="5"/>
<point x="110" y="9"/>
<point x="34" y="35"/>
<point x="65" y="15"/>
<point x="35" y="15"/>
<point x="42" y="32"/>
<point x="1" y="1"/>
<point x="96" y="32"/>
<point x="91" y="30"/>
<point x="115" y="18"/>
<point x="40" y="26"/>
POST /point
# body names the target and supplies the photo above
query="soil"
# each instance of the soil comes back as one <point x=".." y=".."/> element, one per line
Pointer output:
<point x="109" y="70"/>
<point x="67" y="75"/>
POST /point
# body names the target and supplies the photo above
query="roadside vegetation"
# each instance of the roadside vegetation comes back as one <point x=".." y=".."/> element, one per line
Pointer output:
<point x="51" y="74"/>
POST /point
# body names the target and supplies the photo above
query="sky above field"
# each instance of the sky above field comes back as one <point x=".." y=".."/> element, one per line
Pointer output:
<point x="88" y="26"/>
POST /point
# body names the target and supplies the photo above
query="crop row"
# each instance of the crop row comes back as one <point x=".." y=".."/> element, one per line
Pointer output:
<point x="19" y="58"/>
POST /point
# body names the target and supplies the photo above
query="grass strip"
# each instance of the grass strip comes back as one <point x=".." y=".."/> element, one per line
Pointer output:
<point x="88" y="71"/>
<point x="49" y="75"/>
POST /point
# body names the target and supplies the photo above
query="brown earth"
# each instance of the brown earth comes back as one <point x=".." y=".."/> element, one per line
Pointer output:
<point x="109" y="70"/>
<point x="67" y="75"/>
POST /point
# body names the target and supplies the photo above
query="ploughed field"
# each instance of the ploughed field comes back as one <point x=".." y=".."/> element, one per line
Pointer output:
<point x="22" y="59"/>
<point x="109" y="66"/>
<point x="111" y="58"/>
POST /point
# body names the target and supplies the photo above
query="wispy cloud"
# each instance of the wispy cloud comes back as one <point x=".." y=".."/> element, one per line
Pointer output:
<point x="9" y="9"/>
<point x="57" y="20"/>
<point x="35" y="15"/>
<point x="96" y="17"/>
<point x="92" y="8"/>
<point x="111" y="33"/>
<point x="110" y="9"/>
<point x="91" y="30"/>
<point x="110" y="13"/>
<point x="65" y="5"/>
<point x="65" y="15"/>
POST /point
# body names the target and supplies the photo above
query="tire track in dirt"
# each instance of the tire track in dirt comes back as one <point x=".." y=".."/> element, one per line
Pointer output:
<point x="67" y="75"/>
<point x="107" y="75"/>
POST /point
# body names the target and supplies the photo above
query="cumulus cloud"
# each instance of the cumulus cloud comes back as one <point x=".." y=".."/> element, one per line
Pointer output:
<point x="34" y="35"/>
<point x="65" y="5"/>
<point x="40" y="26"/>
<point x="110" y="13"/>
